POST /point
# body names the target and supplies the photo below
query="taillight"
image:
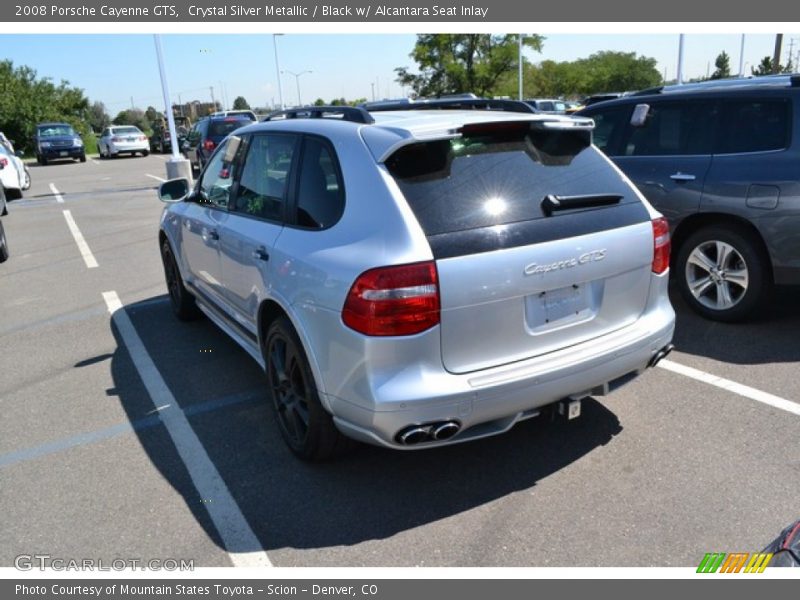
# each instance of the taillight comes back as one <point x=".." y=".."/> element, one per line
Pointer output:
<point x="398" y="300"/>
<point x="209" y="145"/>
<point x="4" y="162"/>
<point x="116" y="139"/>
<point x="142" y="138"/>
<point x="661" y="245"/>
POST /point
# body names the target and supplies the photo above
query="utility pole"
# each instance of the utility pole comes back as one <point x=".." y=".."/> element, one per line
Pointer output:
<point x="741" y="58"/>
<point x="791" y="47"/>
<point x="520" y="67"/>
<point x="680" y="59"/>
<point x="373" y="91"/>
<point x="213" y="101"/>
<point x="776" y="59"/>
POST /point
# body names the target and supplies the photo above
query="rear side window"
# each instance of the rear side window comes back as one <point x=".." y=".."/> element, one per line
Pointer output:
<point x="674" y="129"/>
<point x="609" y="127"/>
<point x="754" y="126"/>
<point x="265" y="177"/>
<point x="320" y="194"/>
<point x="499" y="177"/>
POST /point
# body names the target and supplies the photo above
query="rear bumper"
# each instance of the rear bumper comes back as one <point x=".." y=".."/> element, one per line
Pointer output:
<point x="491" y="401"/>
<point x="115" y="148"/>
<point x="53" y="153"/>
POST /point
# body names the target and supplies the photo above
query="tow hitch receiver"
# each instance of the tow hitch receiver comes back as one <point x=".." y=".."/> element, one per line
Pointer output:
<point x="570" y="408"/>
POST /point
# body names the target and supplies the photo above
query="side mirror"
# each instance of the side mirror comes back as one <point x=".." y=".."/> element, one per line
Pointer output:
<point x="233" y="146"/>
<point x="639" y="116"/>
<point x="19" y="154"/>
<point x="174" y="190"/>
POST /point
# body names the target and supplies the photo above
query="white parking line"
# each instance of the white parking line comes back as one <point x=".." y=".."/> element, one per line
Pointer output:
<point x="154" y="177"/>
<point x="97" y="162"/>
<point x="86" y="253"/>
<point x="241" y="543"/>
<point x="59" y="197"/>
<point x="732" y="386"/>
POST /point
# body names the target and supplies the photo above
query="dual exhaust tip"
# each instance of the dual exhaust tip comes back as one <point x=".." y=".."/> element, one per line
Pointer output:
<point x="415" y="434"/>
<point x="660" y="354"/>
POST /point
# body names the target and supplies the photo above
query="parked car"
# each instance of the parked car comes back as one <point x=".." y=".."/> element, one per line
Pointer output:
<point x="420" y="277"/>
<point x="160" y="140"/>
<point x="207" y="134"/>
<point x="57" y="141"/>
<point x="719" y="160"/>
<point x="14" y="175"/>
<point x="548" y="106"/>
<point x="122" y="139"/>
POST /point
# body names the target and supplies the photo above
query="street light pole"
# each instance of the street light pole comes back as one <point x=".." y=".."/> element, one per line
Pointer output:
<point x="297" y="81"/>
<point x="278" y="68"/>
<point x="177" y="166"/>
<point x="520" y="67"/>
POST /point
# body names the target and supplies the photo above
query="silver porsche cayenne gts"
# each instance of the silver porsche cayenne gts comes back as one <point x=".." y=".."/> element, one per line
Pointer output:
<point x="418" y="278"/>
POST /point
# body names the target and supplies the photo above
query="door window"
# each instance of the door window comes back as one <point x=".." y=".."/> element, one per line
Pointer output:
<point x="264" y="182"/>
<point x="320" y="194"/>
<point x="754" y="125"/>
<point x="215" y="187"/>
<point x="674" y="129"/>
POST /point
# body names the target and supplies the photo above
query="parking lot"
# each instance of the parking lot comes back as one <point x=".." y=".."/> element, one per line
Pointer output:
<point x="676" y="464"/>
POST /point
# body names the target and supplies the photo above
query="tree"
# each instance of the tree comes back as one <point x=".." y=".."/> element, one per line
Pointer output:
<point x="98" y="117"/>
<point x="319" y="102"/>
<point x="765" y="67"/>
<point x="132" y="116"/>
<point x="240" y="103"/>
<point x="458" y="63"/>
<point x="27" y="100"/>
<point x="723" y="66"/>
<point x="152" y="115"/>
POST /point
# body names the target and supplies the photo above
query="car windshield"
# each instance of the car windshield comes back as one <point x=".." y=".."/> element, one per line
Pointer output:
<point x="125" y="131"/>
<point x="56" y="130"/>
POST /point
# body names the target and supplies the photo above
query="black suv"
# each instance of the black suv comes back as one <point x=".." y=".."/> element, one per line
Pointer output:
<point x="56" y="141"/>
<point x="720" y="160"/>
<point x="206" y="135"/>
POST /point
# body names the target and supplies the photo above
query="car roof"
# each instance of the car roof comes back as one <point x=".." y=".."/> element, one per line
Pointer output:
<point x="52" y="124"/>
<point x="390" y="130"/>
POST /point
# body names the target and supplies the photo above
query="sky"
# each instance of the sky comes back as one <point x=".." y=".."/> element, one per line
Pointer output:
<point x="121" y="70"/>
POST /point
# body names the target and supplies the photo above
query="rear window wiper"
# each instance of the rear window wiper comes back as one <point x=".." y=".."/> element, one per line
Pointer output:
<point x="551" y="203"/>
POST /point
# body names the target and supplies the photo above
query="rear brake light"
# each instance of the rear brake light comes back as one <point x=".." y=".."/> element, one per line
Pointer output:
<point x="209" y="145"/>
<point x="4" y="162"/>
<point x="398" y="300"/>
<point x="116" y="139"/>
<point x="661" y="245"/>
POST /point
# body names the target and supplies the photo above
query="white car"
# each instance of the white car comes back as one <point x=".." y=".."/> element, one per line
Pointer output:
<point x="125" y="139"/>
<point x="14" y="175"/>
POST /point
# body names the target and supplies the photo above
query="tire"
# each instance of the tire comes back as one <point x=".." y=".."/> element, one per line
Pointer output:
<point x="145" y="152"/>
<point x="43" y="162"/>
<point x="3" y="244"/>
<point x="723" y="273"/>
<point x="27" y="184"/>
<point x="83" y="158"/>
<point x="183" y="303"/>
<point x="306" y="427"/>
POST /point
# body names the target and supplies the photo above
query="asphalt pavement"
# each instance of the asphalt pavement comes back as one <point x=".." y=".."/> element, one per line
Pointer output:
<point x="695" y="456"/>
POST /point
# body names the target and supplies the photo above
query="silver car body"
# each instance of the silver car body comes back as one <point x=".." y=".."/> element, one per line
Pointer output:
<point x="493" y="360"/>
<point x="123" y="139"/>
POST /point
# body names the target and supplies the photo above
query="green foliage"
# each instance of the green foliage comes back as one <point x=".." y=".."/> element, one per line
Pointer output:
<point x="723" y="66"/>
<point x="26" y="100"/>
<point x="765" y="67"/>
<point x="319" y="102"/>
<point x="239" y="103"/>
<point x="133" y="116"/>
<point x="98" y="117"/>
<point x="459" y="63"/>
<point x="601" y="72"/>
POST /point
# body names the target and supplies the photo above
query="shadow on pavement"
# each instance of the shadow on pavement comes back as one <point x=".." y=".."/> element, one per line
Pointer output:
<point x="371" y="494"/>
<point x="769" y="338"/>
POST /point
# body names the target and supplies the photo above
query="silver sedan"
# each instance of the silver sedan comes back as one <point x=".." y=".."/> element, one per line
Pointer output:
<point x="125" y="139"/>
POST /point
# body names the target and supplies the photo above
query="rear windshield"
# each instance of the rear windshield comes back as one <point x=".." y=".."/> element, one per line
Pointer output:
<point x="498" y="177"/>
<point x="125" y="130"/>
<point x="223" y="128"/>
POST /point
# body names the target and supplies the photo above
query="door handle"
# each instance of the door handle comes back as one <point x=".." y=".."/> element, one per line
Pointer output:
<point x="682" y="177"/>
<point x="212" y="234"/>
<point x="261" y="254"/>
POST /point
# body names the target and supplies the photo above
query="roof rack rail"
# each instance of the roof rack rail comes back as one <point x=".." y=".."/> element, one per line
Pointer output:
<point x="354" y="114"/>
<point x="450" y="104"/>
<point x="779" y="80"/>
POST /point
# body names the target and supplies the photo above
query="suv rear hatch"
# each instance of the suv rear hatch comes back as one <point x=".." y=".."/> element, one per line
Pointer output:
<point x="539" y="242"/>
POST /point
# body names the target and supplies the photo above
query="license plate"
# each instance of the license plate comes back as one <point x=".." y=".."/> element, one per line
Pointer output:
<point x="130" y="139"/>
<point x="63" y="153"/>
<point x="557" y="307"/>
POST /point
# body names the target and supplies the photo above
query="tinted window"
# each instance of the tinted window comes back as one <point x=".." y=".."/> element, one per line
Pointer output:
<point x="609" y="126"/>
<point x="754" y="126"/>
<point x="223" y="128"/>
<point x="56" y="130"/>
<point x="265" y="176"/>
<point x="215" y="186"/>
<point x="673" y="129"/>
<point x="500" y="178"/>
<point x="320" y="195"/>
